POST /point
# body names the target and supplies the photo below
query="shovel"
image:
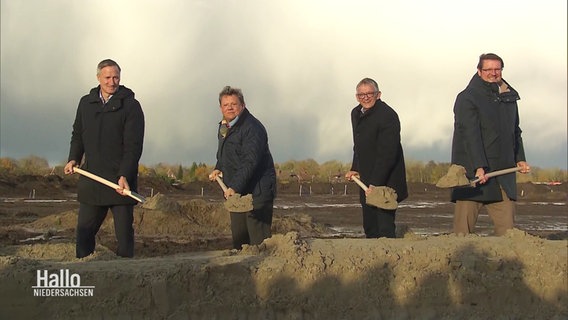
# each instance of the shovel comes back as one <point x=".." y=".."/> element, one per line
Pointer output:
<point x="236" y="203"/>
<point x="380" y="197"/>
<point x="456" y="177"/>
<point x="115" y="186"/>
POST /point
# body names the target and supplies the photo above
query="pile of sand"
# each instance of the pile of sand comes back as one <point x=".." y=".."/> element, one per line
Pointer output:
<point x="289" y="277"/>
<point x="162" y="217"/>
<point x="293" y="275"/>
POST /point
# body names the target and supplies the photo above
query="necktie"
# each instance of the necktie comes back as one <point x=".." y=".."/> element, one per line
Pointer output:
<point x="224" y="128"/>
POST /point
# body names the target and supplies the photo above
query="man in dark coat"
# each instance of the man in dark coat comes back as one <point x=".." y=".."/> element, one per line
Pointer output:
<point x="377" y="156"/>
<point x="107" y="139"/>
<point x="245" y="163"/>
<point x="487" y="137"/>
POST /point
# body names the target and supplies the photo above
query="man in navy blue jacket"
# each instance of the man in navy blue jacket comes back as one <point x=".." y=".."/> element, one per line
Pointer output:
<point x="245" y="163"/>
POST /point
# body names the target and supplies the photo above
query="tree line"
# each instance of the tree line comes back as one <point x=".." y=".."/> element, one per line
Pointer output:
<point x="303" y="171"/>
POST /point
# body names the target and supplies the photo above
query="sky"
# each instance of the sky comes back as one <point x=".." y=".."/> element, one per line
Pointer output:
<point x="297" y="62"/>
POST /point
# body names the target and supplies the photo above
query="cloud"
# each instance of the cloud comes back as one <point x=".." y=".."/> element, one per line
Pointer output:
<point x="297" y="62"/>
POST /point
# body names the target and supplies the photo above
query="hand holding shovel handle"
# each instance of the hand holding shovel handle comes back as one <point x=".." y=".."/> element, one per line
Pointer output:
<point x="360" y="183"/>
<point x="496" y="173"/>
<point x="456" y="177"/>
<point x="115" y="186"/>
<point x="221" y="183"/>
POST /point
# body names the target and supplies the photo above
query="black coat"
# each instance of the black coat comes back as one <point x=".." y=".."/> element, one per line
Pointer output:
<point x="377" y="151"/>
<point x="110" y="137"/>
<point x="245" y="159"/>
<point x="487" y="135"/>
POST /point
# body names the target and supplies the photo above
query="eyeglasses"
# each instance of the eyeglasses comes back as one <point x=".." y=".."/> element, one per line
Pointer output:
<point x="365" y="95"/>
<point x="492" y="70"/>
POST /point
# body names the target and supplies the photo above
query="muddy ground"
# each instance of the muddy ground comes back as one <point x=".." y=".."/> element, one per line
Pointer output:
<point x="184" y="268"/>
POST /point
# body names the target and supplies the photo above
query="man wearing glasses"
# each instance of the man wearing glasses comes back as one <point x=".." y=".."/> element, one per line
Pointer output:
<point x="487" y="137"/>
<point x="377" y="155"/>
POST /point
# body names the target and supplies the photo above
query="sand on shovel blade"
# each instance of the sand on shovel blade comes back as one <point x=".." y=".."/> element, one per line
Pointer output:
<point x="456" y="177"/>
<point x="382" y="197"/>
<point x="238" y="203"/>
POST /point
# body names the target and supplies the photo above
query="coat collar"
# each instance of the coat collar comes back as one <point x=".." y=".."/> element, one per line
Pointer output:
<point x="477" y="83"/>
<point x="121" y="93"/>
<point x="115" y="102"/>
<point x="370" y="110"/>
<point x="244" y="114"/>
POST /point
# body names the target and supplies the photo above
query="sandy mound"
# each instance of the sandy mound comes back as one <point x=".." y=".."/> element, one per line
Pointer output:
<point x="161" y="217"/>
<point x="59" y="252"/>
<point x="289" y="277"/>
<point x="293" y="275"/>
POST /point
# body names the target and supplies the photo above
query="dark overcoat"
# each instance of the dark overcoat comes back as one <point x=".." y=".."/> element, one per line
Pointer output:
<point x="110" y="136"/>
<point x="487" y="135"/>
<point x="244" y="158"/>
<point x="377" y="150"/>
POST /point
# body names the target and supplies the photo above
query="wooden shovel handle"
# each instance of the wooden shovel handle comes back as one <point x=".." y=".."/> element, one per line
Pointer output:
<point x="497" y="173"/>
<point x="360" y="183"/>
<point x="104" y="181"/>
<point x="221" y="183"/>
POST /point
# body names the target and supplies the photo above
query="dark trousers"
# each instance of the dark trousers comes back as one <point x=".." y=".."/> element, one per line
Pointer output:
<point x="90" y="220"/>
<point x="252" y="227"/>
<point x="377" y="222"/>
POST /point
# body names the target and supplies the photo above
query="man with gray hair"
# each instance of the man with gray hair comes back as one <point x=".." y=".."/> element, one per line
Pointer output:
<point x="106" y="140"/>
<point x="377" y="156"/>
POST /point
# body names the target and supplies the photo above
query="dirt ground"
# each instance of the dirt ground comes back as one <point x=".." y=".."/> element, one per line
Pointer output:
<point x="184" y="268"/>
